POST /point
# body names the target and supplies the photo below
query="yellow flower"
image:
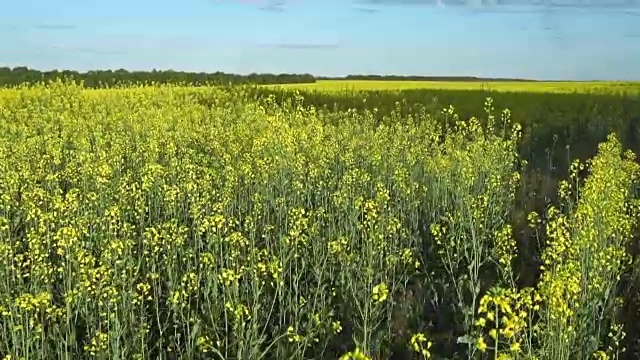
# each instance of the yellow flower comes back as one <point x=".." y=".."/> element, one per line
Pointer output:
<point x="356" y="354"/>
<point x="508" y="333"/>
<point x="481" y="344"/>
<point x="418" y="344"/>
<point x="481" y="322"/>
<point x="336" y="326"/>
<point x="491" y="316"/>
<point x="380" y="292"/>
<point x="601" y="355"/>
<point x="293" y="337"/>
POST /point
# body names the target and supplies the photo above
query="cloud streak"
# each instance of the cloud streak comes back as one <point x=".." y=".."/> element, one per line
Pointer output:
<point x="365" y="9"/>
<point x="274" y="6"/>
<point x="264" y="5"/>
<point x="497" y="4"/>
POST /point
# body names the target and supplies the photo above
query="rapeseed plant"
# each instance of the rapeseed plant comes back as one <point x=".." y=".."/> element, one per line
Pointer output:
<point x="140" y="222"/>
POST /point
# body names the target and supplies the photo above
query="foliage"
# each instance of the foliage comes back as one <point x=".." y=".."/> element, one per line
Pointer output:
<point x="110" y="78"/>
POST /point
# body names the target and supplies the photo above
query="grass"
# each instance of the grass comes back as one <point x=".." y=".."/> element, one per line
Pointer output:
<point x="553" y="87"/>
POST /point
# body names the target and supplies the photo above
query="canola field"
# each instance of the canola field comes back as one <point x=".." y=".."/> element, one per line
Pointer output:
<point x="143" y="223"/>
<point x="602" y="87"/>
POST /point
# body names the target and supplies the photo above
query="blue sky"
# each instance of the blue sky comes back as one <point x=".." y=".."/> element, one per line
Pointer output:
<point x="560" y="39"/>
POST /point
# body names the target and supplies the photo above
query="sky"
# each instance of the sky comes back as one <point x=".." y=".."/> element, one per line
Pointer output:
<point x="536" y="39"/>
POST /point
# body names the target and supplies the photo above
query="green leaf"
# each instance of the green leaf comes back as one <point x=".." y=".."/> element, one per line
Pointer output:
<point x="467" y="339"/>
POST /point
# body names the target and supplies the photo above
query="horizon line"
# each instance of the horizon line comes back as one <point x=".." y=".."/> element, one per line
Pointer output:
<point x="323" y="77"/>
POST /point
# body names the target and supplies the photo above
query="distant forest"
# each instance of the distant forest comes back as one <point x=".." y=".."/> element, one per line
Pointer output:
<point x="108" y="78"/>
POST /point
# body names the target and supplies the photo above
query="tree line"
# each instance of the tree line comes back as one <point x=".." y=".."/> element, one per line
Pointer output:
<point x="109" y="78"/>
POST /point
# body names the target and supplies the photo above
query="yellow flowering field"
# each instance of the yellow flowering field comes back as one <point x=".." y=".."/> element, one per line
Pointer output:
<point x="142" y="222"/>
<point x="600" y="87"/>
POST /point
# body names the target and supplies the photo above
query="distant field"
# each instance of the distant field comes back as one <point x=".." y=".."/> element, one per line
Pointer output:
<point x="562" y="87"/>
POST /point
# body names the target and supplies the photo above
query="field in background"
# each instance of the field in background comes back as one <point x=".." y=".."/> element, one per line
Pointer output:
<point x="550" y="86"/>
